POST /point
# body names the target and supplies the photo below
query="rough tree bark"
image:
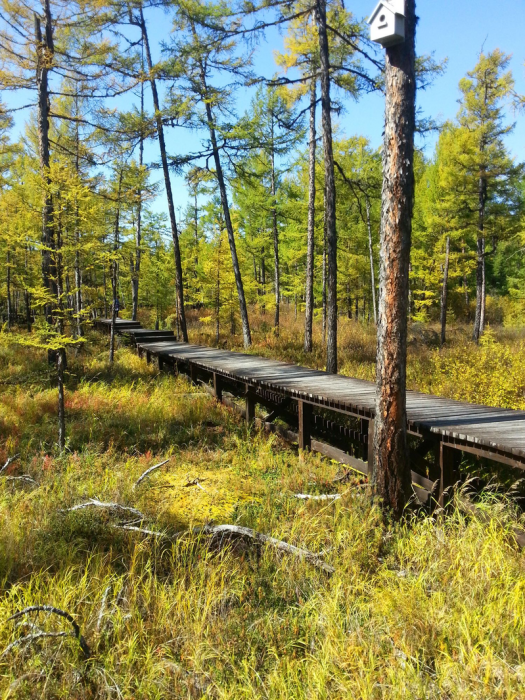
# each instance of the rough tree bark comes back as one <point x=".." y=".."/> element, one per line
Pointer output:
<point x="330" y="221"/>
<point x="444" y="293"/>
<point x="310" y="241"/>
<point x="167" y="182"/>
<point x="390" y="476"/>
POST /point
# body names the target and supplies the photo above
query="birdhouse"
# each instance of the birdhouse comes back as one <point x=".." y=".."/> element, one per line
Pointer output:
<point x="387" y="23"/>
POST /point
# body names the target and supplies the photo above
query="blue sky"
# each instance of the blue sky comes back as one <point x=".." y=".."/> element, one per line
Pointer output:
<point x="453" y="29"/>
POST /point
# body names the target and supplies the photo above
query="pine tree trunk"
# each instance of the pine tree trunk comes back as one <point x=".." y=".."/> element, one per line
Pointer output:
<point x="390" y="476"/>
<point x="218" y="293"/>
<point x="444" y="293"/>
<point x="247" y="337"/>
<point x="329" y="189"/>
<point x="371" y="255"/>
<point x="179" y="287"/>
<point x="324" y="292"/>
<point x="310" y="241"/>
<point x="263" y="281"/>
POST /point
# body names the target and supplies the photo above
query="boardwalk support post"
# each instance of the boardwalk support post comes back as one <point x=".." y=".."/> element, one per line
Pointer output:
<point x="370" y="445"/>
<point x="305" y="420"/>
<point x="217" y="386"/>
<point x="448" y="475"/>
<point x="250" y="405"/>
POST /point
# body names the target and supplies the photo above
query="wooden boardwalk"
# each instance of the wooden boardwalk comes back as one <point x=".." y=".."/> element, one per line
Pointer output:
<point x="311" y="400"/>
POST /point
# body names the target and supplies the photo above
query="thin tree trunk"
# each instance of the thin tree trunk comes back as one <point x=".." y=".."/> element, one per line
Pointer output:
<point x="483" y="291"/>
<point x="45" y="52"/>
<point x="277" y="282"/>
<point x="8" y="286"/>
<point x="247" y="337"/>
<point x="114" y="273"/>
<point x="218" y="292"/>
<point x="465" y="289"/>
<point x="390" y="477"/>
<point x="371" y="254"/>
<point x="263" y="281"/>
<point x="324" y="292"/>
<point x="135" y="267"/>
<point x="61" y="353"/>
<point x="167" y="183"/>
<point x="78" y="269"/>
<point x="310" y="241"/>
<point x="329" y="190"/>
<point x="444" y="293"/>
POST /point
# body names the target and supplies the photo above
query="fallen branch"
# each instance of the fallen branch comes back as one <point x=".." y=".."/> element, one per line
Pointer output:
<point x="23" y="477"/>
<point x="248" y="533"/>
<point x="32" y="638"/>
<point x="148" y="472"/>
<point x="61" y="613"/>
<point x="194" y="482"/>
<point x="93" y="503"/>
<point x="10" y="460"/>
<point x="324" y="497"/>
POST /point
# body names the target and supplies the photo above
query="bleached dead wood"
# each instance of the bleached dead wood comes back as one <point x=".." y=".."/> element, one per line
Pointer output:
<point x="254" y="536"/>
<point x="33" y="638"/>
<point x="61" y="613"/>
<point x="149" y="471"/>
<point x="116" y="507"/>
<point x="246" y="533"/>
<point x="10" y="460"/>
<point x="23" y="477"/>
<point x="324" y="497"/>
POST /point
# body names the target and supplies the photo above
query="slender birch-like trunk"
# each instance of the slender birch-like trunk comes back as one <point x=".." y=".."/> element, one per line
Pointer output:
<point x="444" y="293"/>
<point x="310" y="241"/>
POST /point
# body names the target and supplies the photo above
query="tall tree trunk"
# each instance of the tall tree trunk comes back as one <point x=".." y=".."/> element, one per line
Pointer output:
<point x="61" y="353"/>
<point x="371" y="255"/>
<point x="324" y="291"/>
<point x="179" y="287"/>
<point x="444" y="293"/>
<point x="218" y="293"/>
<point x="78" y="268"/>
<point x="465" y="289"/>
<point x="390" y="476"/>
<point x="8" y="289"/>
<point x="329" y="190"/>
<point x="114" y="273"/>
<point x="263" y="280"/>
<point x="310" y="241"/>
<point x="247" y="337"/>
<point x="44" y="53"/>
<point x="479" y="319"/>
<point x="135" y="266"/>
<point x="277" y="281"/>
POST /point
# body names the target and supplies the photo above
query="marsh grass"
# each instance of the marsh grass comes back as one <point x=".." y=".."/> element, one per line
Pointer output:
<point x="428" y="608"/>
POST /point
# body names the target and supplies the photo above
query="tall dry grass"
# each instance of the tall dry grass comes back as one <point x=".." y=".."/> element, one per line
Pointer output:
<point x="423" y="609"/>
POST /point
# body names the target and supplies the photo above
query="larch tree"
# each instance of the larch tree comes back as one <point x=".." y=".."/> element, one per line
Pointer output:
<point x="390" y="477"/>
<point x="485" y="157"/>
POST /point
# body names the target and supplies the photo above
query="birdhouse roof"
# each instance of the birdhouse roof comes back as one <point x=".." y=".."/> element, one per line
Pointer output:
<point x="396" y="6"/>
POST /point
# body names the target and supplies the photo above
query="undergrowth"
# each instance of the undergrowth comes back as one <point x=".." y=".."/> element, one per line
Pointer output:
<point x="428" y="608"/>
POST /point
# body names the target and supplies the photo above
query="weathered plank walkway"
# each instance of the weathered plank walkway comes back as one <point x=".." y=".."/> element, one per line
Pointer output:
<point x="310" y="401"/>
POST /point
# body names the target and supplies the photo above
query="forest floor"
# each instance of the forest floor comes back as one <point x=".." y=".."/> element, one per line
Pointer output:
<point x="427" y="608"/>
